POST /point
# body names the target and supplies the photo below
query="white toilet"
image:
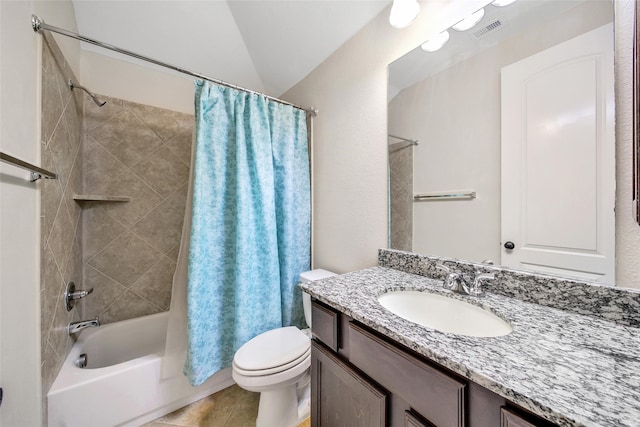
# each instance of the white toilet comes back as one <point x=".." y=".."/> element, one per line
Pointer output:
<point x="276" y="364"/>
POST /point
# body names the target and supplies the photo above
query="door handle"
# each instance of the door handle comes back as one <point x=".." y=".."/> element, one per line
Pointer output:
<point x="509" y="245"/>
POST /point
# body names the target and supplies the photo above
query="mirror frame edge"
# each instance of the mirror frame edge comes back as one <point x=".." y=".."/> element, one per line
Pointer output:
<point x="636" y="115"/>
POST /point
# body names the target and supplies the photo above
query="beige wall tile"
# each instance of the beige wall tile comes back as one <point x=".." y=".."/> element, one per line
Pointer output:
<point x="105" y="292"/>
<point x="125" y="259"/>
<point x="99" y="229"/>
<point x="128" y="306"/>
<point x="155" y="285"/>
<point x="163" y="171"/>
<point x="162" y="228"/>
<point x="99" y="166"/>
<point x="165" y="123"/>
<point x="180" y="145"/>
<point x="126" y="137"/>
<point x="94" y="115"/>
<point x="143" y="198"/>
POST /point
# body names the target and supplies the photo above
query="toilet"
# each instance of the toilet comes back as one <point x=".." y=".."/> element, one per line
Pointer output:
<point x="276" y="364"/>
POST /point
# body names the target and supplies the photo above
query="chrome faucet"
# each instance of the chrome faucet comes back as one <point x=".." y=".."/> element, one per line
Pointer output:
<point x="75" y="327"/>
<point x="456" y="282"/>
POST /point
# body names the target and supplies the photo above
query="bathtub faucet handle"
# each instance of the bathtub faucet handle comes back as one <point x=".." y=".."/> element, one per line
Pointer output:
<point x="71" y="295"/>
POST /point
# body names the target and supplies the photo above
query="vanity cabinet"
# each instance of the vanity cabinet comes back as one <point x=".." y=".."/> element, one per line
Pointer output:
<point x="361" y="378"/>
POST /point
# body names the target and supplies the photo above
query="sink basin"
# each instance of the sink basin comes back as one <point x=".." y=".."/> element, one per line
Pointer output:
<point x="444" y="314"/>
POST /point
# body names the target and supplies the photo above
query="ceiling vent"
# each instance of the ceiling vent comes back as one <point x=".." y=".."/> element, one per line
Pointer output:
<point x="487" y="29"/>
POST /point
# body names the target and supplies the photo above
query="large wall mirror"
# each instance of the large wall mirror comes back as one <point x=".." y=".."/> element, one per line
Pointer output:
<point x="502" y="143"/>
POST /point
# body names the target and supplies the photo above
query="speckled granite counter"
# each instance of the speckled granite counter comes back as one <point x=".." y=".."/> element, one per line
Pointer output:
<point x="572" y="369"/>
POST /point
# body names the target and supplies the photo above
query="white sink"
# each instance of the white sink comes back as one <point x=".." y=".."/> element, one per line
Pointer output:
<point x="444" y="314"/>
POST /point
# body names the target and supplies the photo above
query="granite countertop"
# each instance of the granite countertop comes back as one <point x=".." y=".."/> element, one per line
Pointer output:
<point x="572" y="369"/>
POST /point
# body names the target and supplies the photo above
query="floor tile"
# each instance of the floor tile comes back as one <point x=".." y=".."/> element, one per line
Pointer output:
<point x="231" y="407"/>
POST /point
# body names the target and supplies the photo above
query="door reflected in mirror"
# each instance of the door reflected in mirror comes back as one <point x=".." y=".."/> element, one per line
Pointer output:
<point x="515" y="160"/>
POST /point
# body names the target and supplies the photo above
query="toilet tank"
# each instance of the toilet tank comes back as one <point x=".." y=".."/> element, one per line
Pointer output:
<point x="311" y="276"/>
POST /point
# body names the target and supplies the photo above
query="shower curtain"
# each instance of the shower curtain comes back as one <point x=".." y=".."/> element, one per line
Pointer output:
<point x="249" y="236"/>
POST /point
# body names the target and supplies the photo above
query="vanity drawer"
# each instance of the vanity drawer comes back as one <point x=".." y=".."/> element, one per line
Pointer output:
<point x="324" y="324"/>
<point x="435" y="395"/>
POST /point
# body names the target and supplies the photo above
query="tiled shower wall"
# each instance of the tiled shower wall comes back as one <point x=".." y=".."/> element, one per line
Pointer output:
<point x="61" y="258"/>
<point x="401" y="196"/>
<point x="126" y="251"/>
<point x="130" y="248"/>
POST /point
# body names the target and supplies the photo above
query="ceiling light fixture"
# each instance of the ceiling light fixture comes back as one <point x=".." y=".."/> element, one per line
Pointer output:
<point x="436" y="43"/>
<point x="403" y="12"/>
<point x="470" y="21"/>
<point x="501" y="3"/>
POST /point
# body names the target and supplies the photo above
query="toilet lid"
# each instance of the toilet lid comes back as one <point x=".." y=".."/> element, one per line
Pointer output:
<point x="271" y="349"/>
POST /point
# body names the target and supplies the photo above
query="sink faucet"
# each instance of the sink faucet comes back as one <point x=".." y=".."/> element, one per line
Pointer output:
<point x="75" y="327"/>
<point x="453" y="281"/>
<point x="456" y="282"/>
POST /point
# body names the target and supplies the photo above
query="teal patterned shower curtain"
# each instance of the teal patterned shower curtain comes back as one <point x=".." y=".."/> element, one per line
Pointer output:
<point x="250" y="232"/>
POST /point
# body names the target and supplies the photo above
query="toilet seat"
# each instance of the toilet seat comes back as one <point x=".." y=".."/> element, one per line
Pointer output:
<point x="272" y="351"/>
<point x="275" y="369"/>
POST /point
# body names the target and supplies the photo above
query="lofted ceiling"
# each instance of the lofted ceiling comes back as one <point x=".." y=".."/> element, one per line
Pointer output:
<point x="263" y="45"/>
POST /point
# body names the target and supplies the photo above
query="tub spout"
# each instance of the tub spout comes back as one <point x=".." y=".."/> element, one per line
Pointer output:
<point x="75" y="327"/>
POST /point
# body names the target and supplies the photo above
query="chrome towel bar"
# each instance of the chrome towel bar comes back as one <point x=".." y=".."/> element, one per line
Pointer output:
<point x="36" y="172"/>
<point x="447" y="195"/>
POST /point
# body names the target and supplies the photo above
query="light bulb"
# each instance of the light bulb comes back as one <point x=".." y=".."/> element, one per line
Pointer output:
<point x="403" y="12"/>
<point x="436" y="43"/>
<point x="470" y="21"/>
<point x="501" y="3"/>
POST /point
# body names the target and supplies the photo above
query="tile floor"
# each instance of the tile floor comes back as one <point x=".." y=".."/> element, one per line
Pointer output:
<point x="231" y="407"/>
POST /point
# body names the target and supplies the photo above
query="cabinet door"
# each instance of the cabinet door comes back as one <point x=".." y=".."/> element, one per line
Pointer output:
<point x="511" y="419"/>
<point x="413" y="420"/>
<point x="340" y="397"/>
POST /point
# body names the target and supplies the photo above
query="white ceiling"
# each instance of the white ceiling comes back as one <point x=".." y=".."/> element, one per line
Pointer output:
<point x="264" y="45"/>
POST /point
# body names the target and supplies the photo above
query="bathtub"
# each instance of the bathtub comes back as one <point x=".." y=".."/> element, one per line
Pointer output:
<point x="122" y="384"/>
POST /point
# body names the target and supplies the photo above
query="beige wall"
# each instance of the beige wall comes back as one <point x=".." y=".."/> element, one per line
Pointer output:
<point x="148" y="84"/>
<point x="350" y="135"/>
<point x="350" y="90"/>
<point x="20" y="71"/>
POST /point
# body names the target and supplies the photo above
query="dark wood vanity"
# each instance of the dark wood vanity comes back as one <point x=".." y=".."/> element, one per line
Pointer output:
<point x="361" y="378"/>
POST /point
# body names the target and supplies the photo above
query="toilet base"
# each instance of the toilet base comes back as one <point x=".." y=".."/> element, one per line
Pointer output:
<point x="282" y="407"/>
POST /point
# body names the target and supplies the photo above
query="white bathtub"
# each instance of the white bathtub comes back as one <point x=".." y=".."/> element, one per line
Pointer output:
<point x="122" y="384"/>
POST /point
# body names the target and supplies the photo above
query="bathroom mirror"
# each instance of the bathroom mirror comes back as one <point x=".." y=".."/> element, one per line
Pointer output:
<point x="515" y="154"/>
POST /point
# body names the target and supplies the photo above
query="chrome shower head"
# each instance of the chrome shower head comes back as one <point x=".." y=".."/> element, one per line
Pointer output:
<point x="73" y="85"/>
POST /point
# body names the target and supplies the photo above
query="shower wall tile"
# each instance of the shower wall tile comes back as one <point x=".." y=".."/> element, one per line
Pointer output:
<point x="61" y="252"/>
<point x="130" y="248"/>
<point x="94" y="115"/>
<point x="105" y="292"/>
<point x="100" y="166"/>
<point x="179" y="198"/>
<point x="155" y="284"/>
<point x="180" y="145"/>
<point x="143" y="198"/>
<point x="128" y="306"/>
<point x="162" y="228"/>
<point x="101" y="229"/>
<point x="126" y="259"/>
<point x="401" y="196"/>
<point x="126" y="137"/>
<point x="164" y="123"/>
<point x="163" y="171"/>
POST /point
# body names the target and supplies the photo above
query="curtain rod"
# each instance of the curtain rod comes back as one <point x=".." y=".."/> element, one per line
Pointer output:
<point x="39" y="25"/>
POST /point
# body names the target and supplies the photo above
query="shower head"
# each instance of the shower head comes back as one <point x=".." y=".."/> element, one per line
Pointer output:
<point x="99" y="103"/>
